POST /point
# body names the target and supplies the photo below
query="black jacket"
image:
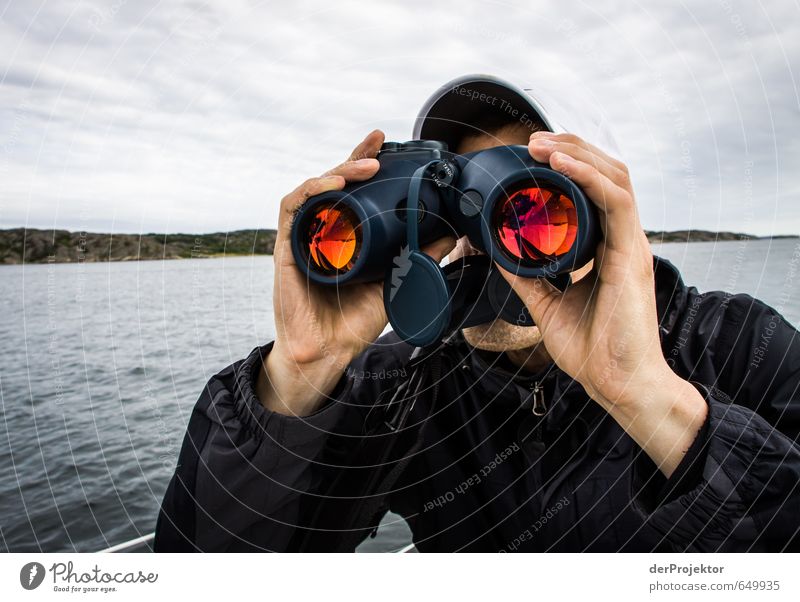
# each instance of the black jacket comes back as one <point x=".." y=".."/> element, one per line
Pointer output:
<point x="489" y="473"/>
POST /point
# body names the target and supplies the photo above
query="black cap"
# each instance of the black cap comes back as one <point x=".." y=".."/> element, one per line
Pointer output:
<point x="455" y="108"/>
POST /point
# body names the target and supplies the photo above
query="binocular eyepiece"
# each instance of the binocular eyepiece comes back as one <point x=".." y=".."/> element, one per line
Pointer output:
<point x="523" y="215"/>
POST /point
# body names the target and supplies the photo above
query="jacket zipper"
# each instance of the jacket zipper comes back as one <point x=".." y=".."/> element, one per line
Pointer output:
<point x="539" y="407"/>
<point x="534" y="439"/>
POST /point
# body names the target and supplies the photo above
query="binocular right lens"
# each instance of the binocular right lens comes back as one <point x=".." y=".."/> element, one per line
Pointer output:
<point x="535" y="224"/>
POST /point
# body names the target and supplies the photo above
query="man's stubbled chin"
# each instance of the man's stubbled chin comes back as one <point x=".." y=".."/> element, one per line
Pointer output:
<point x="502" y="336"/>
<point x="498" y="335"/>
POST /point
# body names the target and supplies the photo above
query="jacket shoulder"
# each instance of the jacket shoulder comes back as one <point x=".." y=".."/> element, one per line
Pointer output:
<point x="387" y="352"/>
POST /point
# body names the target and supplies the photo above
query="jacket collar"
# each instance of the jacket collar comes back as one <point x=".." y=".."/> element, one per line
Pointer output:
<point x="498" y="376"/>
<point x="671" y="293"/>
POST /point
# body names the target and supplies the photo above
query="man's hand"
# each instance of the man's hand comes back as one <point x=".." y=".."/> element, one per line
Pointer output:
<point x="603" y="330"/>
<point x="319" y="330"/>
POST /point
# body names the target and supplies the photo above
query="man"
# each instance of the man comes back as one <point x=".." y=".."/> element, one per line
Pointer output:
<point x="638" y="415"/>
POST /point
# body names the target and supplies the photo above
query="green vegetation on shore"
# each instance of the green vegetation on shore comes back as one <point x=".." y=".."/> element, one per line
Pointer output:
<point x="707" y="236"/>
<point x="21" y="245"/>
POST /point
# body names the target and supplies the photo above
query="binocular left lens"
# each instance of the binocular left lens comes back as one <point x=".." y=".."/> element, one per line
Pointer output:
<point x="332" y="239"/>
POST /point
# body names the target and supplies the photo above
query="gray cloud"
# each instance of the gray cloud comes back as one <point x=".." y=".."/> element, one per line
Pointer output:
<point x="193" y="116"/>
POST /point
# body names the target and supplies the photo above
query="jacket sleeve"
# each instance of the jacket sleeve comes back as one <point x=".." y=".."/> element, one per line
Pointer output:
<point x="242" y="469"/>
<point x="738" y="486"/>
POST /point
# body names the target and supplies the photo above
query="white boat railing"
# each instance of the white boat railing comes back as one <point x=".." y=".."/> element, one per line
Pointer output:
<point x="405" y="549"/>
<point x="125" y="546"/>
<point x="146" y="539"/>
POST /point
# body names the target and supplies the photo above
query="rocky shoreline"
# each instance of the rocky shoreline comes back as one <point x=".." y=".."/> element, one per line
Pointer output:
<point x="706" y="236"/>
<point x="21" y="245"/>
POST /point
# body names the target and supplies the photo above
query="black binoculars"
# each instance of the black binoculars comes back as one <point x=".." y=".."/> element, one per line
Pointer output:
<point x="528" y="218"/>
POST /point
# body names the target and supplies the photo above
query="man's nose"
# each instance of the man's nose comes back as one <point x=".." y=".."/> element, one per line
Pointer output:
<point x="469" y="249"/>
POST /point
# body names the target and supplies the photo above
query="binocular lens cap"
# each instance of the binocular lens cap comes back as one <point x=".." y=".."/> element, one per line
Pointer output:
<point x="416" y="297"/>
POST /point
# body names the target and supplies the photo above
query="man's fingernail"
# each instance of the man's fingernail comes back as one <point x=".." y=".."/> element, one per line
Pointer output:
<point x="543" y="143"/>
<point x="562" y="159"/>
<point x="542" y="134"/>
<point x="364" y="162"/>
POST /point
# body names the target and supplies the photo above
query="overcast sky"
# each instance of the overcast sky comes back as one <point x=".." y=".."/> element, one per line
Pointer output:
<point x="144" y="116"/>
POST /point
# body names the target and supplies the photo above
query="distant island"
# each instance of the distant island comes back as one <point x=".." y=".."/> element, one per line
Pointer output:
<point x="707" y="236"/>
<point x="21" y="245"/>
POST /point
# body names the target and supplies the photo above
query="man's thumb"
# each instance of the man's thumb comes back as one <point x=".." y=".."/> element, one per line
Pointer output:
<point x="536" y="293"/>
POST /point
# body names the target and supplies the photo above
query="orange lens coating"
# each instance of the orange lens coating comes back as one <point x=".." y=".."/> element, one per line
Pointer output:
<point x="334" y="238"/>
<point x="536" y="224"/>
